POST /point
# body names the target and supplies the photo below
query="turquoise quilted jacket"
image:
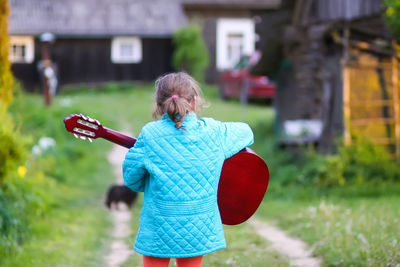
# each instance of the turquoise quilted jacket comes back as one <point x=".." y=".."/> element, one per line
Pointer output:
<point x="178" y="170"/>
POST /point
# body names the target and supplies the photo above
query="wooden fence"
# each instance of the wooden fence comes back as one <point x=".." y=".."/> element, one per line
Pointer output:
<point x="371" y="100"/>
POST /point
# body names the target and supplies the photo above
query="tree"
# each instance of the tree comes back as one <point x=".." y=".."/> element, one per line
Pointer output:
<point x="190" y="53"/>
<point x="392" y="16"/>
<point x="6" y="79"/>
<point x="10" y="148"/>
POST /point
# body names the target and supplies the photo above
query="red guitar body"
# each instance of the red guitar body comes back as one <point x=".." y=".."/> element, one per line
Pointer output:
<point x="244" y="177"/>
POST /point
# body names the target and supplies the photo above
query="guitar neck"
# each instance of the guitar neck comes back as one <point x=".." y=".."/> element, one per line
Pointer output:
<point x="118" y="138"/>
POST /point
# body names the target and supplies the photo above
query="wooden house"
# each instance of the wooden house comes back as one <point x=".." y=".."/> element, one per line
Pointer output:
<point x="323" y="38"/>
<point x="103" y="40"/>
<point x="96" y="40"/>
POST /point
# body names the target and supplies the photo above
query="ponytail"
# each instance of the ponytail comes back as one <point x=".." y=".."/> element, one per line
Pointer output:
<point x="175" y="93"/>
<point x="177" y="109"/>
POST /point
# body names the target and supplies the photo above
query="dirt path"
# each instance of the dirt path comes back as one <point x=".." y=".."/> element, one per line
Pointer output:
<point x="119" y="249"/>
<point x="296" y="250"/>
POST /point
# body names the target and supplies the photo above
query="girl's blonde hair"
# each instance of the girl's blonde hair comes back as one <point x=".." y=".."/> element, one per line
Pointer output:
<point x="174" y="95"/>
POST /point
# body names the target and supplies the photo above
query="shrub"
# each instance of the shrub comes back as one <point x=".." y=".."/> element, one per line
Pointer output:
<point x="330" y="172"/>
<point x="190" y="53"/>
<point x="12" y="187"/>
<point x="360" y="164"/>
<point x="366" y="162"/>
<point x="24" y="188"/>
<point x="11" y="150"/>
<point x="392" y="16"/>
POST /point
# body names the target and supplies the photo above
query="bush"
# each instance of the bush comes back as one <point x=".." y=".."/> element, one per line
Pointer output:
<point x="23" y="187"/>
<point x="12" y="186"/>
<point x="25" y="184"/>
<point x="392" y="16"/>
<point x="357" y="164"/>
<point x="366" y="162"/>
<point x="361" y="164"/>
<point x="190" y="53"/>
<point x="11" y="150"/>
<point x="22" y="197"/>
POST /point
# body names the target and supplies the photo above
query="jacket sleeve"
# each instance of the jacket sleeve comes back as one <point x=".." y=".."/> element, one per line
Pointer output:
<point x="235" y="136"/>
<point x="133" y="168"/>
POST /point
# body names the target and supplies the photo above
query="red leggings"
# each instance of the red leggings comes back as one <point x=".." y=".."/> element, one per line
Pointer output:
<point x="149" y="261"/>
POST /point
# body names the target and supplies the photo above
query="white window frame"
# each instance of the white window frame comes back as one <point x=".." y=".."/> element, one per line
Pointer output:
<point x="136" y="55"/>
<point x="29" y="43"/>
<point x="228" y="26"/>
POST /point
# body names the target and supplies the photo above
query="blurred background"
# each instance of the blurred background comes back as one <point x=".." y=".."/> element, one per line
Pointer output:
<point x="317" y="80"/>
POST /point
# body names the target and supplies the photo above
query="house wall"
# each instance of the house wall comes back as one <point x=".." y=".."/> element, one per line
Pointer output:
<point x="271" y="43"/>
<point x="27" y="74"/>
<point x="89" y="61"/>
<point x="210" y="38"/>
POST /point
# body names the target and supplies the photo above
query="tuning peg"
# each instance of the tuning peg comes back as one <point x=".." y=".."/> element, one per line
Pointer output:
<point x="76" y="136"/>
<point x="90" y="119"/>
<point x="90" y="139"/>
<point x="83" y="137"/>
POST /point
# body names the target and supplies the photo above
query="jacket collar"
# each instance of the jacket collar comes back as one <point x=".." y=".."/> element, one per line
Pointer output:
<point x="189" y="121"/>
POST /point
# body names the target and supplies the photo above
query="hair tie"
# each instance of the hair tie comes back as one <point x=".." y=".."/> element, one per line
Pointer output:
<point x="174" y="96"/>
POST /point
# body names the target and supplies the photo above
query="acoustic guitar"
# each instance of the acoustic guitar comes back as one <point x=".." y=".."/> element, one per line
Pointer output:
<point x="244" y="176"/>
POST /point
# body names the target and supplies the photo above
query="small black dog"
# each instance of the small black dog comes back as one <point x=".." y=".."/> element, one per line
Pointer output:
<point x="120" y="193"/>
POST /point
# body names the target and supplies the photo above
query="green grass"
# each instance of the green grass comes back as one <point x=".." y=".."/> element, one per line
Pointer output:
<point x="353" y="231"/>
<point x="75" y="230"/>
<point x="347" y="226"/>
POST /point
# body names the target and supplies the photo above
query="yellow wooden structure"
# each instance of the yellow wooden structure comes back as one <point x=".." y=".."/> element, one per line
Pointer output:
<point x="371" y="99"/>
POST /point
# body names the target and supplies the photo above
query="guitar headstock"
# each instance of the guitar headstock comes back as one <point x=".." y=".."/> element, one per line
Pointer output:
<point x="83" y="127"/>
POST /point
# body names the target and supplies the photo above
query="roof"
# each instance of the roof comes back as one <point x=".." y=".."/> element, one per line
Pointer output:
<point x="75" y="18"/>
<point x="232" y="4"/>
<point x="96" y="17"/>
<point x="328" y="10"/>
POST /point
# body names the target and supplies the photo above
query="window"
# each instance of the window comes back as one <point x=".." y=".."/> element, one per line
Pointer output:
<point x="235" y="38"/>
<point x="21" y="49"/>
<point x="235" y="47"/>
<point x="126" y="50"/>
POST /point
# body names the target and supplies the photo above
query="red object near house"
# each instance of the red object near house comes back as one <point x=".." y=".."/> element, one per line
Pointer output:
<point x="239" y="83"/>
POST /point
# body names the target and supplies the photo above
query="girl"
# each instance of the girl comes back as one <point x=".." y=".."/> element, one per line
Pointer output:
<point x="176" y="162"/>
